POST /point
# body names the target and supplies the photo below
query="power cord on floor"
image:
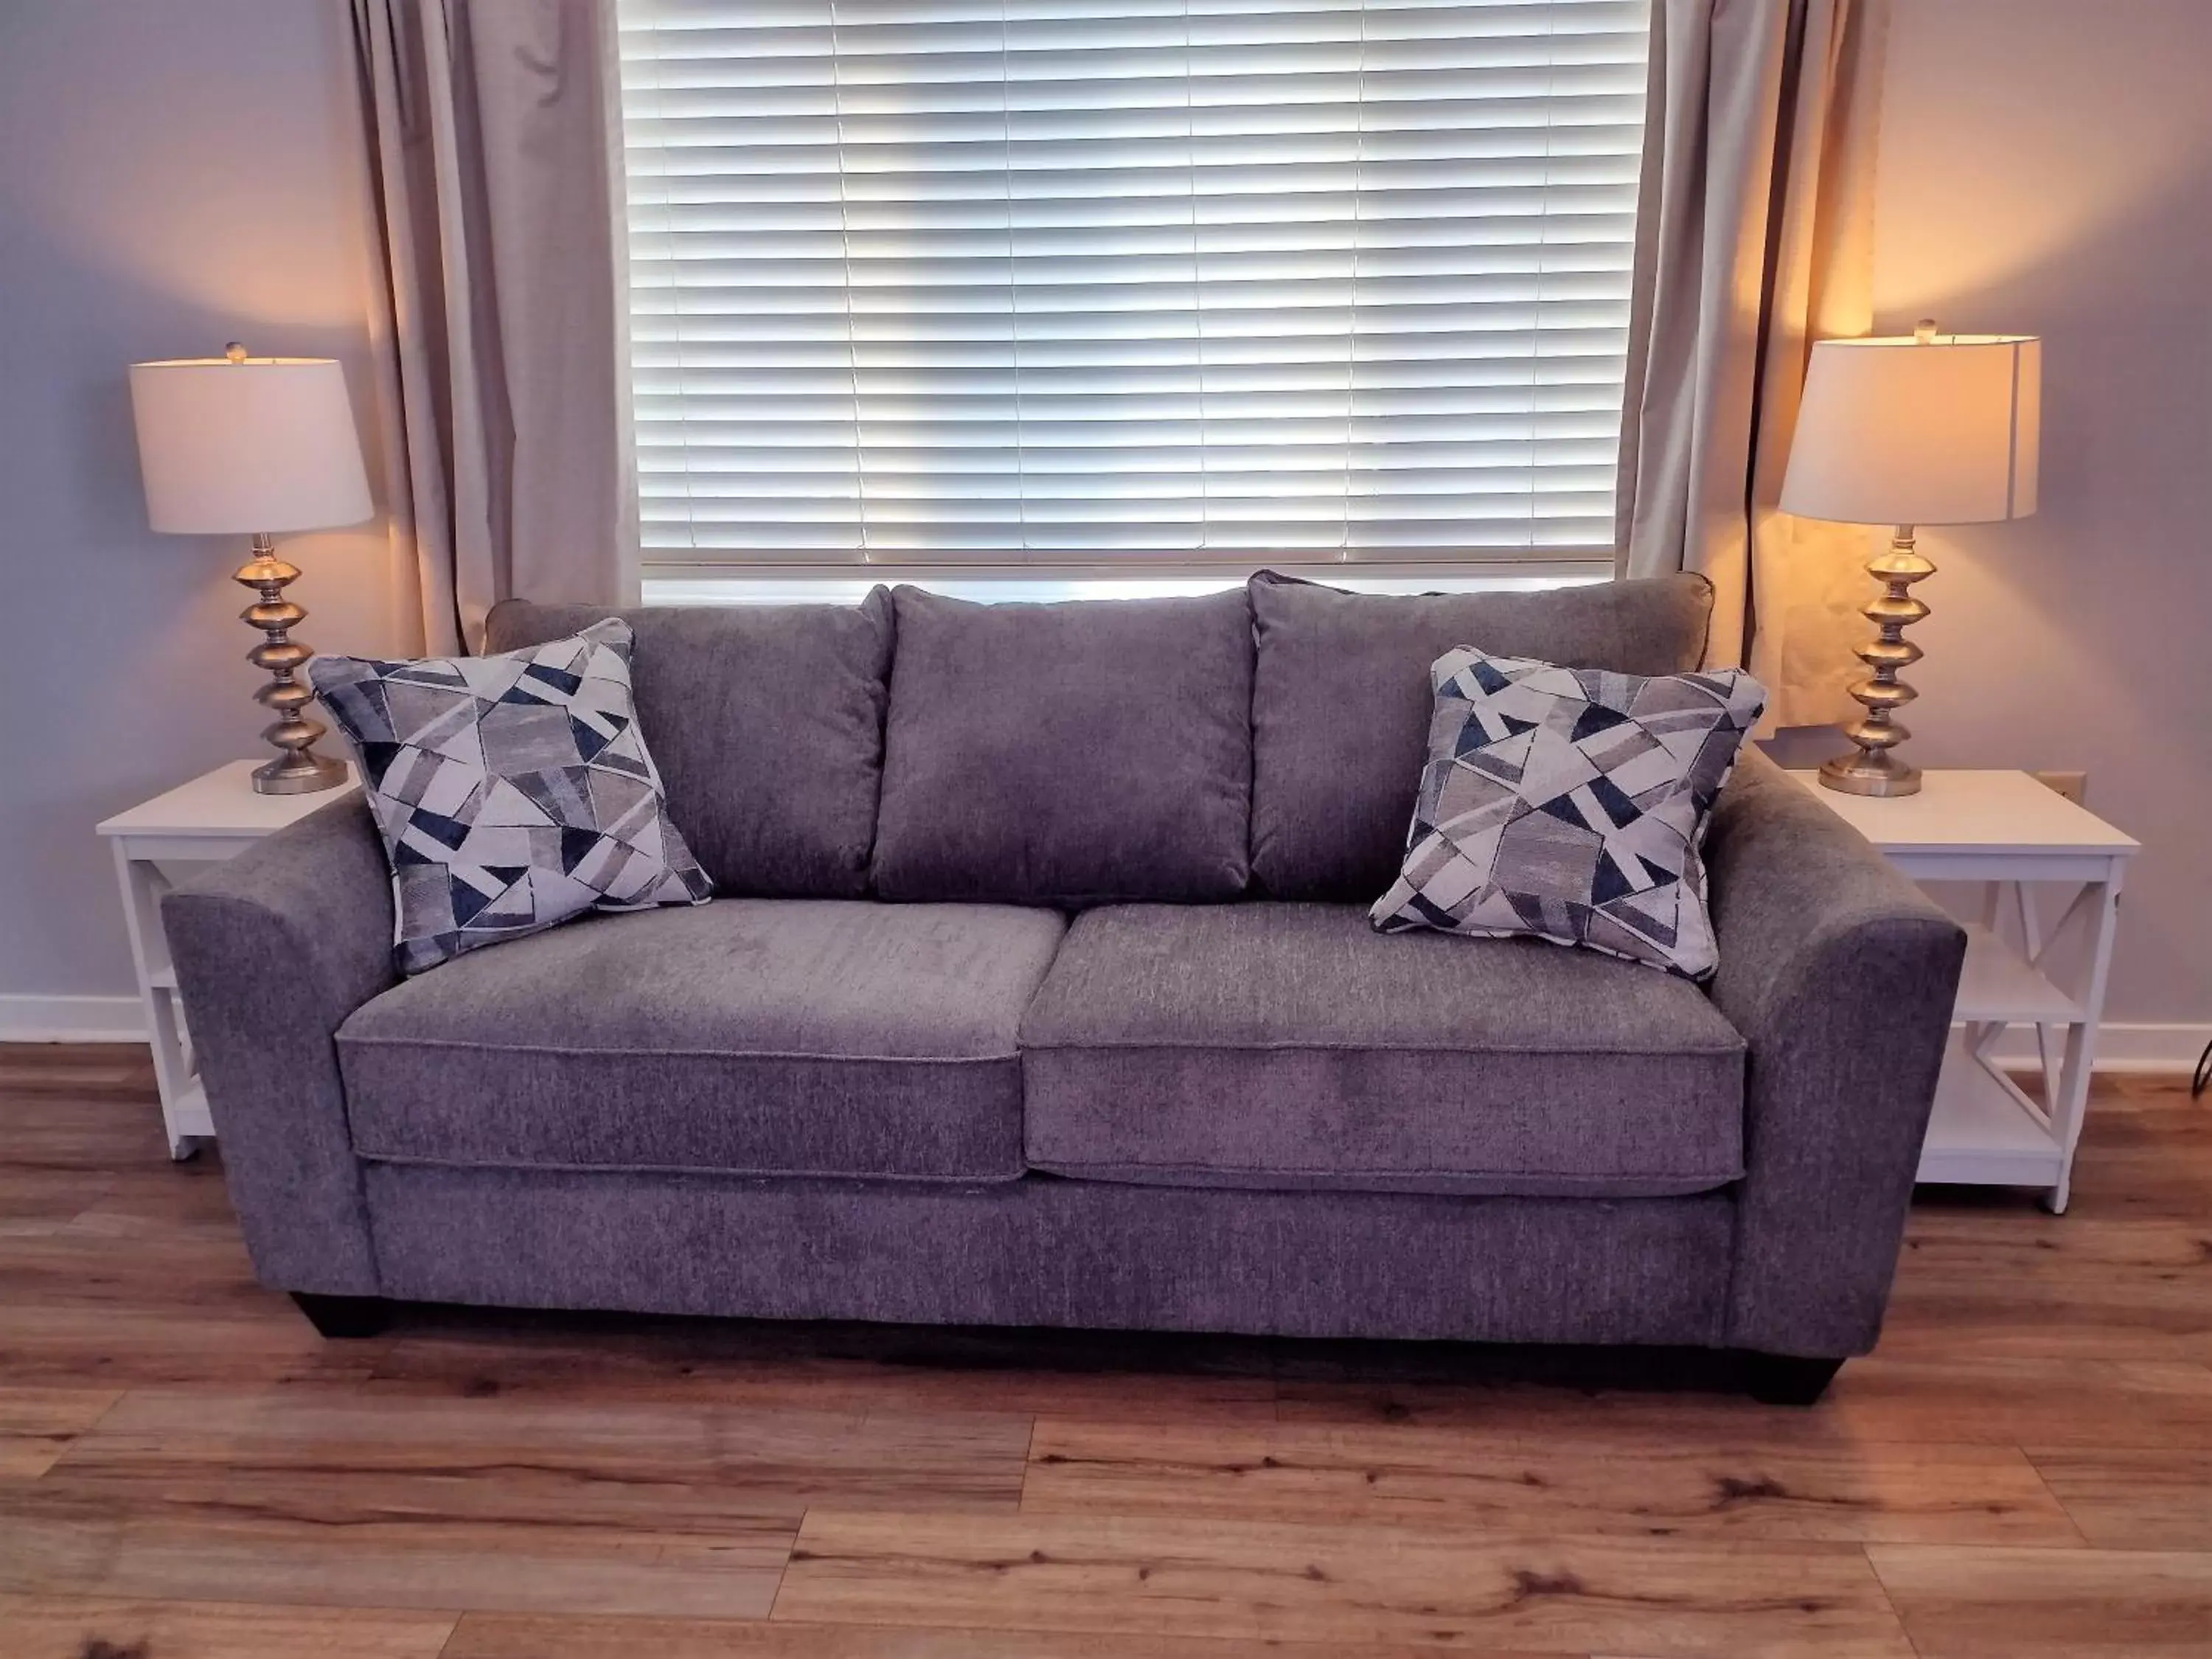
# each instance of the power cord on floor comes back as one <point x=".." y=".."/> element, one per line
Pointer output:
<point x="2202" y="1074"/>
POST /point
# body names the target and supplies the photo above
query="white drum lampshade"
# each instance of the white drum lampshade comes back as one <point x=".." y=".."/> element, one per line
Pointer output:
<point x="1908" y="431"/>
<point x="256" y="447"/>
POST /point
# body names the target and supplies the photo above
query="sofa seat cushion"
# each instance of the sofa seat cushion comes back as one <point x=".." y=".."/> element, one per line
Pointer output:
<point x="748" y="1036"/>
<point x="1271" y="1044"/>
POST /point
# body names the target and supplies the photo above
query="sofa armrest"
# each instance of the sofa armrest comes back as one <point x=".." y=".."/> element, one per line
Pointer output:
<point x="1841" y="976"/>
<point x="273" y="950"/>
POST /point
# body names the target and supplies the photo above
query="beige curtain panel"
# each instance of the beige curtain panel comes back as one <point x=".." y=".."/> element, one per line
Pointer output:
<point x="492" y="130"/>
<point x="1753" y="238"/>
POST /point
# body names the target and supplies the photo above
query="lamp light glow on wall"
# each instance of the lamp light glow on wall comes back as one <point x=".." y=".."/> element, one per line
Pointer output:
<point x="249" y="446"/>
<point x="1908" y="430"/>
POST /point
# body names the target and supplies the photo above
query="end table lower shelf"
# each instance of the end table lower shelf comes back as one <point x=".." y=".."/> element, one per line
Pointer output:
<point x="1985" y="1130"/>
<point x="187" y="1117"/>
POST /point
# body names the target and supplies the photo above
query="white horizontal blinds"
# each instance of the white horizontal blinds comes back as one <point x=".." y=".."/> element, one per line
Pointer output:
<point x="1010" y="281"/>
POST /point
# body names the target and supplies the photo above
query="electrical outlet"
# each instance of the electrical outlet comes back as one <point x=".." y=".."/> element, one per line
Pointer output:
<point x="2073" y="784"/>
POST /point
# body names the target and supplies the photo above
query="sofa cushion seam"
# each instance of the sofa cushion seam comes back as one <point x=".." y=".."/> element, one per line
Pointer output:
<point x="1047" y="1162"/>
<point x="1380" y="1046"/>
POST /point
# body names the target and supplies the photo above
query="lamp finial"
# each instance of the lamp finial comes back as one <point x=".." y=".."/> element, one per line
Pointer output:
<point x="235" y="352"/>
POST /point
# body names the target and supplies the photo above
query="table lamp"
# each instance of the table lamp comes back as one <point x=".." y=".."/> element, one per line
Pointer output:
<point x="1936" y="429"/>
<point x="256" y="445"/>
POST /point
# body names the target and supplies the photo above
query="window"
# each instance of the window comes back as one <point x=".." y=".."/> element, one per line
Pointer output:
<point x="1105" y="284"/>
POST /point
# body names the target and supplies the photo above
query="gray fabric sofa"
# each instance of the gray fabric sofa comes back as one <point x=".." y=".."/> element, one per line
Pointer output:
<point x="1039" y="990"/>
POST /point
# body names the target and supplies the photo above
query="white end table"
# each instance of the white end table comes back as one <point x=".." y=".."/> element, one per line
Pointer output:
<point x="2019" y="839"/>
<point x="214" y="817"/>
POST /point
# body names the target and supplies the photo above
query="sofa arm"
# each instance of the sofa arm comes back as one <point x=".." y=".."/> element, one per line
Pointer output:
<point x="1841" y="976"/>
<point x="273" y="950"/>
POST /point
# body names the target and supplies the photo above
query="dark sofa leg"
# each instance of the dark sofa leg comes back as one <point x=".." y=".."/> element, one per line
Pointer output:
<point x="1782" y="1379"/>
<point x="341" y="1316"/>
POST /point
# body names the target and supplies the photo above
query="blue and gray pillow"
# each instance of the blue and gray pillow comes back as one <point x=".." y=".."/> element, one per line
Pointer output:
<point x="513" y="792"/>
<point x="1570" y="803"/>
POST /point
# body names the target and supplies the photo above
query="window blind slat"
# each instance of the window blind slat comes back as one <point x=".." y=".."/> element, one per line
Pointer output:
<point x="1056" y="281"/>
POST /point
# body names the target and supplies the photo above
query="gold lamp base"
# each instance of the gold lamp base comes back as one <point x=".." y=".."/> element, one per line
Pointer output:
<point x="1873" y="767"/>
<point x="1862" y="772"/>
<point x="298" y="770"/>
<point x="300" y="774"/>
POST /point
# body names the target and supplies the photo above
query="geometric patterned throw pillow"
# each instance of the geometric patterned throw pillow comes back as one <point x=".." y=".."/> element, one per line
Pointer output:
<point x="513" y="792"/>
<point x="1571" y="803"/>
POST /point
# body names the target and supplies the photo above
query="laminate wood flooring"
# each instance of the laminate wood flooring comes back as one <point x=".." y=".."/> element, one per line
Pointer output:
<point x="2023" y="1470"/>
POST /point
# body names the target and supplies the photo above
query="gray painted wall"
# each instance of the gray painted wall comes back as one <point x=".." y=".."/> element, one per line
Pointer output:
<point x="2046" y="168"/>
<point x="173" y="176"/>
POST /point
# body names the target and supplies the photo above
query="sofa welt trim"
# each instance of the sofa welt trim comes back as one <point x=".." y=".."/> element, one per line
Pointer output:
<point x="1245" y="1045"/>
<point x="399" y="1160"/>
<point x="795" y="1055"/>
<point x="1439" y="1183"/>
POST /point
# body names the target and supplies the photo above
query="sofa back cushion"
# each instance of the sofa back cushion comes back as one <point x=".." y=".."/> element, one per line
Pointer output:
<point x="1080" y="753"/>
<point x="767" y="724"/>
<point x="1341" y="701"/>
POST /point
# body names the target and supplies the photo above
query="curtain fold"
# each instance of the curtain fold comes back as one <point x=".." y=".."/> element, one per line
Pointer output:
<point x="1753" y="238"/>
<point x="493" y="131"/>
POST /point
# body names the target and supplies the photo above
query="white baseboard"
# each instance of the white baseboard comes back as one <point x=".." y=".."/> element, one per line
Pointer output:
<point x="2120" y="1047"/>
<point x="72" y="1019"/>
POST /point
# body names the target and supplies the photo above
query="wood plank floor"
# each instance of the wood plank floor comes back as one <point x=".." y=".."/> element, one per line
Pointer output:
<point x="187" y="1472"/>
